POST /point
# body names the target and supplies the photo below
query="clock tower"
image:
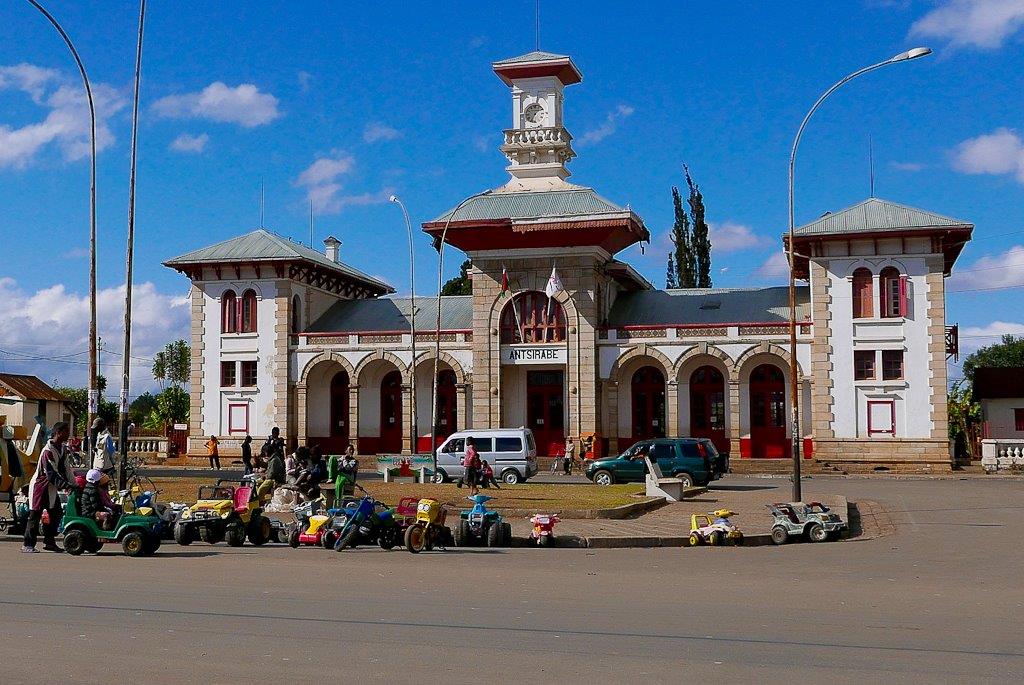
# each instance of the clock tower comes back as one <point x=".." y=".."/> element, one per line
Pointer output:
<point x="537" y="146"/>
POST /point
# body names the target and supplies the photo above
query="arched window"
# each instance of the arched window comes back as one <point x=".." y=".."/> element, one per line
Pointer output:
<point x="863" y="299"/>
<point x="533" y="318"/>
<point x="892" y="293"/>
<point x="296" y="315"/>
<point x="247" y="320"/>
<point x="228" y="312"/>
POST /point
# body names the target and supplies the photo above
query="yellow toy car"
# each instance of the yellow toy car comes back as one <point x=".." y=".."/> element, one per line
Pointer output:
<point x="713" y="528"/>
<point x="429" y="530"/>
<point x="225" y="512"/>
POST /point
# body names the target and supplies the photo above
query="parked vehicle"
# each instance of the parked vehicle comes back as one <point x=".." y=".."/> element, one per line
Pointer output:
<point x="693" y="460"/>
<point x="146" y="504"/>
<point x="369" y="521"/>
<point x="813" y="521"/>
<point x="714" y="528"/>
<point x="429" y="529"/>
<point x="139" y="535"/>
<point x="480" y="526"/>
<point x="543" y="533"/>
<point x="511" y="452"/>
<point x="224" y="512"/>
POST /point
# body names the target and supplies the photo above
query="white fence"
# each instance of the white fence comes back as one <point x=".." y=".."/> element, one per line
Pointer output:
<point x="1002" y="454"/>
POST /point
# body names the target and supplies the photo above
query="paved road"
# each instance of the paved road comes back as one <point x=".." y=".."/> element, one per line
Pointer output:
<point x="939" y="601"/>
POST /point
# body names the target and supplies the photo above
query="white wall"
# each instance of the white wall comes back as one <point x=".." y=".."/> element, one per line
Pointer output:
<point x="998" y="414"/>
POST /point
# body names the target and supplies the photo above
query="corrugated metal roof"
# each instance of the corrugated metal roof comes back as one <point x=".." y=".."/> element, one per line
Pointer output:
<point x="262" y="245"/>
<point x="392" y="314"/>
<point x="543" y="204"/>
<point x="534" y="56"/>
<point x="27" y="387"/>
<point x="707" y="306"/>
<point x="874" y="215"/>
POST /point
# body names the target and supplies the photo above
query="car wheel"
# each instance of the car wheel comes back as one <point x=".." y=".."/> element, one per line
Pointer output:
<point x="511" y="477"/>
<point x="604" y="478"/>
<point x="183" y="535"/>
<point x="714" y="537"/>
<point x="494" y="535"/>
<point x="293" y="539"/>
<point x="816" y="533"/>
<point x="694" y="540"/>
<point x="134" y="544"/>
<point x="259" y="530"/>
<point x="506" y="534"/>
<point x="388" y="539"/>
<point x="462" y="534"/>
<point x="779" y="535"/>
<point x="75" y="542"/>
<point x="328" y="539"/>
<point x="440" y="476"/>
<point x="347" y="541"/>
<point x="544" y="541"/>
<point x="687" y="479"/>
<point x="415" y="538"/>
<point x="736" y="539"/>
<point x="235" y="535"/>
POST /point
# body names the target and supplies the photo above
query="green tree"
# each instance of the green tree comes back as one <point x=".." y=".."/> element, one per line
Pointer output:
<point x="173" y="363"/>
<point x="172" y="406"/>
<point x="140" y="408"/>
<point x="1008" y="352"/>
<point x="964" y="418"/>
<point x="670" y="274"/>
<point x="700" y="242"/>
<point x="77" y="400"/>
<point x="681" y="242"/>
<point x="461" y="284"/>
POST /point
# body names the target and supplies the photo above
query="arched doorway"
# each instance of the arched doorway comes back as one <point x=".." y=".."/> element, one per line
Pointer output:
<point x="768" y="413"/>
<point x="391" y="413"/>
<point x="339" y="411"/>
<point x="707" y="406"/>
<point x="447" y="412"/>
<point x="648" y="400"/>
<point x="545" y="410"/>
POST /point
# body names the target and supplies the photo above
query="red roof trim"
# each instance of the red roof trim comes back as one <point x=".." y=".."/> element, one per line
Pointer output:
<point x="727" y="324"/>
<point x="404" y="331"/>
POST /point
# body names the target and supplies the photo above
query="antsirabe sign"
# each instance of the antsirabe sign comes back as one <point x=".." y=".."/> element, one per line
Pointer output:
<point x="533" y="354"/>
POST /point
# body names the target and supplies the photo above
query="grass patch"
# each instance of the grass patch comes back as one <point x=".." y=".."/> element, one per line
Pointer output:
<point x="534" y="497"/>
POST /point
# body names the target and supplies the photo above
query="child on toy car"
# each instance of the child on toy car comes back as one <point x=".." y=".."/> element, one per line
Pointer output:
<point x="96" y="502"/>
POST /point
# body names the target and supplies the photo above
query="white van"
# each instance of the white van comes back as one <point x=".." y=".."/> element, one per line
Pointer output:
<point x="511" y="452"/>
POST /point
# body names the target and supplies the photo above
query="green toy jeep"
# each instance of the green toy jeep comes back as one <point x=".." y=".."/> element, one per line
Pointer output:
<point x="139" y="535"/>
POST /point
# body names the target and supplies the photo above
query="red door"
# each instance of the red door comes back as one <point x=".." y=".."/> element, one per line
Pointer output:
<point x="545" y="410"/>
<point x="391" y="414"/>
<point x="446" y="410"/>
<point x="707" y="407"/>
<point x="768" y="413"/>
<point x="648" y="393"/>
<point x="339" y="412"/>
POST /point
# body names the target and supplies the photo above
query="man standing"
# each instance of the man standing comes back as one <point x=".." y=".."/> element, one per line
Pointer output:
<point x="271" y="445"/>
<point x="103" y="456"/>
<point x="570" y="454"/>
<point x="247" y="454"/>
<point x="53" y="472"/>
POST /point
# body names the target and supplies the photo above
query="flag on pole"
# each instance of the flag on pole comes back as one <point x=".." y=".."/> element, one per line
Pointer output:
<point x="553" y="287"/>
<point x="504" y="282"/>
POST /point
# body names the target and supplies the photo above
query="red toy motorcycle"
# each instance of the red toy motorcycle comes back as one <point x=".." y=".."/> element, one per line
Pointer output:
<point x="543" y="533"/>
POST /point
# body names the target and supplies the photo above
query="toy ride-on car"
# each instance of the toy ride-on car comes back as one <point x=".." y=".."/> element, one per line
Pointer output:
<point x="224" y="512"/>
<point x="429" y="530"/>
<point x="310" y="524"/>
<point x="480" y="526"/>
<point x="714" y="528"/>
<point x="813" y="520"/>
<point x="139" y="535"/>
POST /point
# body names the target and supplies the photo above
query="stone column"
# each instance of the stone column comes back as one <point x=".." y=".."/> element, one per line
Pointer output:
<point x="463" y="392"/>
<point x="612" y="429"/>
<point x="821" y="353"/>
<point x="732" y="419"/>
<point x="353" y="414"/>
<point x="282" y="357"/>
<point x="672" y="408"/>
<point x="196" y="371"/>
<point x="300" y="413"/>
<point x="937" y="350"/>
<point x="407" y="400"/>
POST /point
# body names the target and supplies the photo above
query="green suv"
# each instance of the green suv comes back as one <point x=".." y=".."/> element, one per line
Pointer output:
<point x="694" y="460"/>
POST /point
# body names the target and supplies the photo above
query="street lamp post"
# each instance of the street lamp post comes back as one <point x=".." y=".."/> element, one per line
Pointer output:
<point x="793" y="384"/>
<point x="93" y="404"/>
<point x="437" y="331"/>
<point x="412" y="323"/>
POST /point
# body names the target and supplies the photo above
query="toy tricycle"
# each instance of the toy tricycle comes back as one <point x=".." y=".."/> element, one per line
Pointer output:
<point x="814" y="521"/>
<point x="543" y="533"/>
<point x="429" y="530"/>
<point x="713" y="528"/>
<point x="139" y="535"/>
<point x="309" y="525"/>
<point x="480" y="526"/>
<point x="225" y="512"/>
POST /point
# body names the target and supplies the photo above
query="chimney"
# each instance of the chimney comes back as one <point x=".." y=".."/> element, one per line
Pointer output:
<point x="331" y="248"/>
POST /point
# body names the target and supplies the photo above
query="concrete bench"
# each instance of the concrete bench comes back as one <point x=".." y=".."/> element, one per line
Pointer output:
<point x="660" y="486"/>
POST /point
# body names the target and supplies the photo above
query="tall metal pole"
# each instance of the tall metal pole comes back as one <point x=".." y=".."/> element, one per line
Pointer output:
<point x="129" y="263"/>
<point x="794" y="386"/>
<point x="93" y="390"/>
<point x="412" y="325"/>
<point x="437" y="331"/>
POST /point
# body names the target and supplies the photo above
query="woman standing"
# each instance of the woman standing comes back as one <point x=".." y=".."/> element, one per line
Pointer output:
<point x="53" y="473"/>
<point x="212" y="452"/>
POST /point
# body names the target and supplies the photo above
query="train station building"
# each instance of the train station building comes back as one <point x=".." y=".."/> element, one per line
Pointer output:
<point x="284" y="335"/>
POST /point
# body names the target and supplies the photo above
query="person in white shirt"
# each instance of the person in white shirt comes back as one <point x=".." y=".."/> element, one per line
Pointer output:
<point x="103" y="447"/>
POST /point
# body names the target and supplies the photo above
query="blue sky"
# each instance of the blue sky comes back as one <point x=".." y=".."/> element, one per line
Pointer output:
<point x="347" y="103"/>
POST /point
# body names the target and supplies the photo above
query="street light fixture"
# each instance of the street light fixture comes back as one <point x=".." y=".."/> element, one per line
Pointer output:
<point x="793" y="385"/>
<point x="93" y="404"/>
<point x="412" y="322"/>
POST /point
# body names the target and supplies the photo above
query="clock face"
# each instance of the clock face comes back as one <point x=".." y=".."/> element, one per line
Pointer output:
<point x="534" y="114"/>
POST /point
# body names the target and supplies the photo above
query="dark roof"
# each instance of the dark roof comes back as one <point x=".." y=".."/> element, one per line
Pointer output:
<point x="707" y="306"/>
<point x="392" y="314"/>
<point x="27" y="387"/>
<point x="538" y="204"/>
<point x="877" y="216"/>
<point x="992" y="383"/>
<point x="263" y="246"/>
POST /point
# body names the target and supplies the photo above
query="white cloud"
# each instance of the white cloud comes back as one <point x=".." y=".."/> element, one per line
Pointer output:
<point x="323" y="182"/>
<point x="326" y="169"/>
<point x="244" y="105"/>
<point x="611" y="122"/>
<point x="975" y="337"/>
<point x="76" y="253"/>
<point x="775" y="267"/>
<point x="189" y="143"/>
<point x="732" y="237"/>
<point x="376" y="131"/>
<point x="305" y="79"/>
<point x="972" y="23"/>
<point x="67" y="122"/>
<point x="909" y="167"/>
<point x="1005" y="270"/>
<point x="999" y="152"/>
<point x="53" y="322"/>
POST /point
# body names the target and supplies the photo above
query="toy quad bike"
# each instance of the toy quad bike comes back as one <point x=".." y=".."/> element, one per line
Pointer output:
<point x="368" y="521"/>
<point x="479" y="526"/>
<point x="713" y="528"/>
<point x="224" y="512"/>
<point x="139" y="535"/>
<point x="814" y="521"/>
<point x="429" y="530"/>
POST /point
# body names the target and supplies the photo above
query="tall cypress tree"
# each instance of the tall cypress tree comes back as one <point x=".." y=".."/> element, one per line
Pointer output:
<point x="670" y="275"/>
<point x="700" y="243"/>
<point x="682" y="240"/>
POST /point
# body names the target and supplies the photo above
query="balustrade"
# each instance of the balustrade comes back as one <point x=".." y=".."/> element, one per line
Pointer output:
<point x="1002" y="454"/>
